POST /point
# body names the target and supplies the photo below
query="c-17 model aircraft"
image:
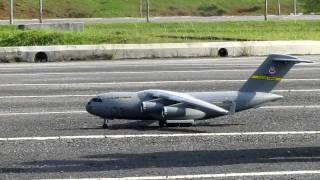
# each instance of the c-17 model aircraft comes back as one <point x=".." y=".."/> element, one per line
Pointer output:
<point x="183" y="109"/>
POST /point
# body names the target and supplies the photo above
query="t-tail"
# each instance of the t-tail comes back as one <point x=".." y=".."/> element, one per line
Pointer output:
<point x="270" y="73"/>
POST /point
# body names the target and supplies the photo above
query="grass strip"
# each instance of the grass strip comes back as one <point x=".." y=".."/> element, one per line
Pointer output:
<point x="138" y="33"/>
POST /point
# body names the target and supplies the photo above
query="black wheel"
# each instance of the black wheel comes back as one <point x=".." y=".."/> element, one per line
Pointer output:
<point x="105" y="126"/>
<point x="161" y="123"/>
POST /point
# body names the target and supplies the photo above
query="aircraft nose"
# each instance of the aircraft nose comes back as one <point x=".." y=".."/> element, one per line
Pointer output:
<point x="89" y="107"/>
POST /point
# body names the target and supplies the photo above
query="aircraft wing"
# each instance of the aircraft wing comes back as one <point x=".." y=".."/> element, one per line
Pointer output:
<point x="187" y="99"/>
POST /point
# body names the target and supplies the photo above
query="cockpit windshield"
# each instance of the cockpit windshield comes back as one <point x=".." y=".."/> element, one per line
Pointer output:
<point x="97" y="99"/>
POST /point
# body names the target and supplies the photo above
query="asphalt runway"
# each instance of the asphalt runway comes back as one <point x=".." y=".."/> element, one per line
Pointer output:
<point x="46" y="133"/>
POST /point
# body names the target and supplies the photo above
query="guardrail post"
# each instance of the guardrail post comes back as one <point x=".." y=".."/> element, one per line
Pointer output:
<point x="294" y="7"/>
<point x="279" y="8"/>
<point x="40" y="11"/>
<point x="266" y="10"/>
<point x="148" y="10"/>
<point x="11" y="11"/>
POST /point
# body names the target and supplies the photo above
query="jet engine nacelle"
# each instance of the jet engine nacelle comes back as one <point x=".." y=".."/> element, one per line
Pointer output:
<point x="181" y="113"/>
<point x="151" y="107"/>
<point x="173" y="112"/>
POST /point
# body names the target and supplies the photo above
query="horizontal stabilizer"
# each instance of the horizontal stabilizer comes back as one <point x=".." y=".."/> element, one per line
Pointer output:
<point x="287" y="58"/>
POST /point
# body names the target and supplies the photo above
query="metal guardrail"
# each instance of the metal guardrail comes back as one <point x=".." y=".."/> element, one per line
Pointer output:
<point x="147" y="2"/>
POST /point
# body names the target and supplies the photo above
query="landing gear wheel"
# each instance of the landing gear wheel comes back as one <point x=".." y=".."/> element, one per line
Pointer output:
<point x="105" y="124"/>
<point x="162" y="123"/>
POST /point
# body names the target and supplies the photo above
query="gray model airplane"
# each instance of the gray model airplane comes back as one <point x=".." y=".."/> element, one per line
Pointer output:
<point x="183" y="109"/>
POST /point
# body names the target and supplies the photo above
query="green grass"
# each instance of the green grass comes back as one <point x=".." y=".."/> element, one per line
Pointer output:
<point x="130" y="8"/>
<point x="165" y="32"/>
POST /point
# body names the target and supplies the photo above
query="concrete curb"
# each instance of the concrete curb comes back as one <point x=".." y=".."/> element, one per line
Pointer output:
<point x="165" y="50"/>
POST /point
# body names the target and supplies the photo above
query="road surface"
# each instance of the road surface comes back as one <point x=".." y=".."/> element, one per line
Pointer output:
<point x="46" y="133"/>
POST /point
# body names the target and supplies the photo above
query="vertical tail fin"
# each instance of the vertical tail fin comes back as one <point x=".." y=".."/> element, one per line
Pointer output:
<point x="270" y="73"/>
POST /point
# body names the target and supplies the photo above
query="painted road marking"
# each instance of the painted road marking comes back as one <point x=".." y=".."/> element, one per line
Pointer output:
<point x="202" y="176"/>
<point x="178" y="65"/>
<point x="92" y="95"/>
<point x="42" y="113"/>
<point x="129" y="72"/>
<point x="148" y="61"/>
<point x="145" y="60"/>
<point x="284" y="133"/>
<point x="146" y="82"/>
<point x="297" y="90"/>
<point x="48" y="96"/>
<point x="138" y="64"/>
<point x="132" y="65"/>
<point x="144" y="63"/>
<point x="291" y="107"/>
<point x="85" y="112"/>
<point x="141" y="72"/>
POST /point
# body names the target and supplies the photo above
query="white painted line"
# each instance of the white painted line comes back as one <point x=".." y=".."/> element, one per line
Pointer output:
<point x="284" y="133"/>
<point x="92" y="95"/>
<point x="48" y="96"/>
<point x="139" y="62"/>
<point x="42" y="113"/>
<point x="230" y="60"/>
<point x="297" y="90"/>
<point x="117" y="83"/>
<point x="152" y="63"/>
<point x="128" y="72"/>
<point x="146" y="82"/>
<point x="85" y="112"/>
<point x="291" y="107"/>
<point x="142" y="72"/>
<point x="202" y="176"/>
<point x="142" y="61"/>
<point x="163" y="64"/>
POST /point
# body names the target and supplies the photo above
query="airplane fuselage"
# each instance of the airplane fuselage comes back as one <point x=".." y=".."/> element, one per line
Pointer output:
<point x="141" y="106"/>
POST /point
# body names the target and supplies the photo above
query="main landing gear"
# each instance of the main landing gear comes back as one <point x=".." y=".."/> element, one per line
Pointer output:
<point x="162" y="123"/>
<point x="105" y="124"/>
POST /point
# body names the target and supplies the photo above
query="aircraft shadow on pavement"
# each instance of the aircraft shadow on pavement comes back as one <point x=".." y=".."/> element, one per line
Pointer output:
<point x="218" y="125"/>
<point x="170" y="159"/>
<point x="149" y="126"/>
